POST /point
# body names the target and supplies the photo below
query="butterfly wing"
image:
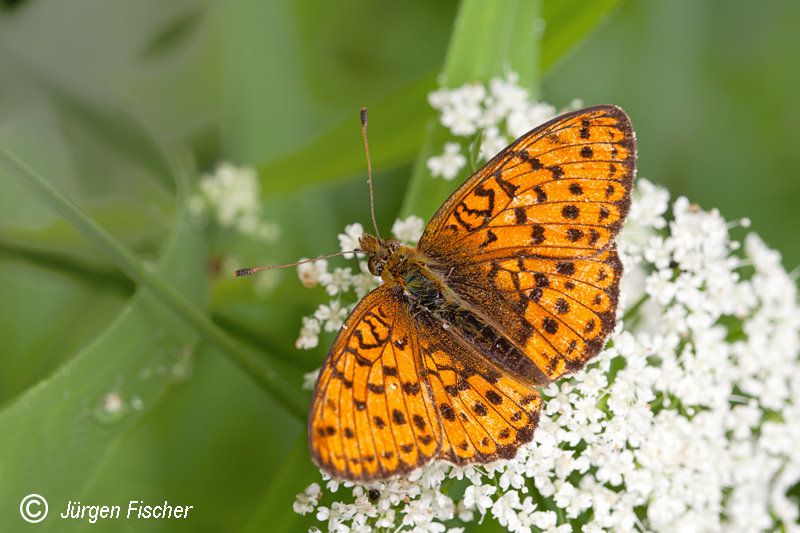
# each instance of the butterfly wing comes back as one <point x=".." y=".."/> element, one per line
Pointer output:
<point x="528" y="240"/>
<point x="397" y="391"/>
<point x="371" y="417"/>
<point x="484" y="413"/>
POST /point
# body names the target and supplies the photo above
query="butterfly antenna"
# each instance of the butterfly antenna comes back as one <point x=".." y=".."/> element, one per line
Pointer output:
<point x="252" y="270"/>
<point x="369" y="171"/>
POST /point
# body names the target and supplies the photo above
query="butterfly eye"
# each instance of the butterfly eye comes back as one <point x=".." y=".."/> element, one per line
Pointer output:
<point x="375" y="266"/>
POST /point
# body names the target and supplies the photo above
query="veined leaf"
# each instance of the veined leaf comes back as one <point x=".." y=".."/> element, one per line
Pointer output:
<point x="57" y="434"/>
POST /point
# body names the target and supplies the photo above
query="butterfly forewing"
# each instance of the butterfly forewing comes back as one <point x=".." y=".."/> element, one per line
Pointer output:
<point x="572" y="173"/>
<point x="528" y="240"/>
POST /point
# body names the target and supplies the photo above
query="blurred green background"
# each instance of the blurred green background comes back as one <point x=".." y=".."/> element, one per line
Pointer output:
<point x="119" y="104"/>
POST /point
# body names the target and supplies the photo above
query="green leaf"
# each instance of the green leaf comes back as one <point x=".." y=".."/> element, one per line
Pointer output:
<point x="273" y="511"/>
<point x="98" y="154"/>
<point x="268" y="108"/>
<point x="73" y="299"/>
<point x="568" y="22"/>
<point x="126" y="260"/>
<point x="394" y="131"/>
<point x="57" y="434"/>
<point x="290" y="70"/>
<point x="492" y="38"/>
<point x="489" y="39"/>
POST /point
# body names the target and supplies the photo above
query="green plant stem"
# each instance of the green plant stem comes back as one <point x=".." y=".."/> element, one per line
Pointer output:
<point x="284" y="393"/>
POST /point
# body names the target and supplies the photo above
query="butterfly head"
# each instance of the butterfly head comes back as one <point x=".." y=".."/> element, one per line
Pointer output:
<point x="379" y="250"/>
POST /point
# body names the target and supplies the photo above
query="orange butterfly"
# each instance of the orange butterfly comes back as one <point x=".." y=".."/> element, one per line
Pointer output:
<point x="513" y="284"/>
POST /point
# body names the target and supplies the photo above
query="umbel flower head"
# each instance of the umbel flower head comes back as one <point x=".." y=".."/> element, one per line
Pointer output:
<point x="688" y="420"/>
<point x="230" y="197"/>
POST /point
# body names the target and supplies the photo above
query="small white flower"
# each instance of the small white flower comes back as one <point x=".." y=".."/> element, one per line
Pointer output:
<point x="449" y="163"/>
<point x="331" y="315"/>
<point x="505" y="96"/>
<point x="349" y="240"/>
<point x="309" y="334"/>
<point x="337" y="281"/>
<point x="310" y="379"/>
<point x="500" y="112"/>
<point x="409" y="229"/>
<point x="233" y="195"/>
<point x="479" y="497"/>
<point x="505" y="508"/>
<point x="525" y="118"/>
<point x="310" y="273"/>
<point x="464" y="513"/>
<point x="652" y="202"/>
<point x="306" y="501"/>
<point x="323" y="513"/>
<point x="545" y="520"/>
<point x="491" y="143"/>
<point x="461" y="110"/>
<point x="660" y="286"/>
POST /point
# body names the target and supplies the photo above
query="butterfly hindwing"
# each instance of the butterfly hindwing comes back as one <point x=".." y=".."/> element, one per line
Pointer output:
<point x="485" y="414"/>
<point x="559" y="312"/>
<point x="371" y="417"/>
<point x="398" y="390"/>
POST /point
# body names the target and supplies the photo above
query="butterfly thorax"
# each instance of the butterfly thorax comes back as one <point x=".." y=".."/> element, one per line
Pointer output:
<point x="405" y="268"/>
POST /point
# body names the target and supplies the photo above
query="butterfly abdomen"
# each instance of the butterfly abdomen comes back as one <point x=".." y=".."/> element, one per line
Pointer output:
<point x="485" y="339"/>
<point x="427" y="294"/>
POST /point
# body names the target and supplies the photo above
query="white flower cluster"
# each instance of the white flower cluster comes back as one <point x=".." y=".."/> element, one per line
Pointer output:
<point x="231" y="196"/>
<point x="496" y="114"/>
<point x="338" y="281"/>
<point x="689" y="420"/>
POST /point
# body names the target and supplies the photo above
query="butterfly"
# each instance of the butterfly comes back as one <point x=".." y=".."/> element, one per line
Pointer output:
<point x="513" y="284"/>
